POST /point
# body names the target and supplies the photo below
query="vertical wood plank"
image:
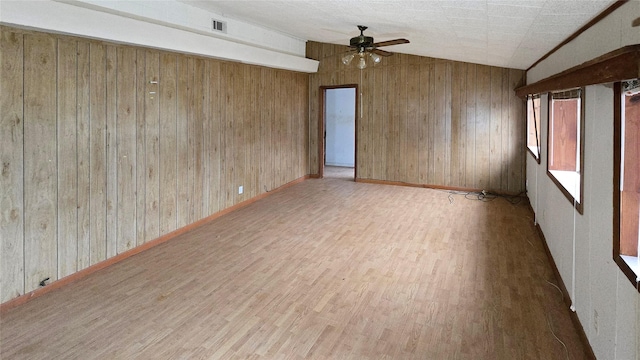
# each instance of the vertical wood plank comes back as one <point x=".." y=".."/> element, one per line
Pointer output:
<point x="462" y="130"/>
<point x="126" y="140"/>
<point x="168" y="144"/>
<point x="470" y="157"/>
<point x="276" y="143"/>
<point x="382" y="124"/>
<point x="279" y="127"/>
<point x="431" y="126"/>
<point x="141" y="171"/>
<point x="505" y="128"/>
<point x="314" y="108"/>
<point x="440" y="124"/>
<point x="182" y="141"/>
<point x="273" y="126"/>
<point x="83" y="156"/>
<point x="206" y="139"/>
<point x="392" y="130"/>
<point x="412" y="153"/>
<point x="67" y="153"/>
<point x="197" y="135"/>
<point x="276" y="129"/>
<point x="295" y="126"/>
<point x="456" y="165"/>
<point x="306" y="124"/>
<point x="247" y="114"/>
<point x="12" y="175"/>
<point x="495" y="131"/>
<point x="403" y="148"/>
<point x="304" y="120"/>
<point x="423" y="153"/>
<point x="364" y="158"/>
<point x="447" y="124"/>
<point x="483" y="126"/>
<point x="265" y="128"/>
<point x="98" y="153"/>
<point x="214" y="145"/>
<point x="286" y="128"/>
<point x="252" y="163"/>
<point x="152" y="146"/>
<point x="192" y="135"/>
<point x="229" y="175"/>
<point x="40" y="160"/>
<point x="517" y="134"/>
<point x="111" y="153"/>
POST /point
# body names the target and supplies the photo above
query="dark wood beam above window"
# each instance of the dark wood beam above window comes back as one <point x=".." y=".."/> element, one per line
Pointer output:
<point x="621" y="64"/>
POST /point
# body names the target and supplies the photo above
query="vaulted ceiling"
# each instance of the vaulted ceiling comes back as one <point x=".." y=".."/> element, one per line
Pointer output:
<point x="507" y="33"/>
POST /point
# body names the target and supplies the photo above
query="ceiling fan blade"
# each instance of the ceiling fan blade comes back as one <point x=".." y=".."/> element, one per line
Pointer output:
<point x="391" y="42"/>
<point x="381" y="52"/>
<point x="636" y="22"/>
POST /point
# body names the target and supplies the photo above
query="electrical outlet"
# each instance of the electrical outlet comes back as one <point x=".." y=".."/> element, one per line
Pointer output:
<point x="240" y="189"/>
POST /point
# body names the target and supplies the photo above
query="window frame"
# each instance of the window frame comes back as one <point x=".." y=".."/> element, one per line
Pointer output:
<point x="617" y="163"/>
<point x="577" y="203"/>
<point x="531" y="98"/>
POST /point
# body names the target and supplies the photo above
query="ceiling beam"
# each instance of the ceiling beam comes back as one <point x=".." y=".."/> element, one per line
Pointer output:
<point x="621" y="64"/>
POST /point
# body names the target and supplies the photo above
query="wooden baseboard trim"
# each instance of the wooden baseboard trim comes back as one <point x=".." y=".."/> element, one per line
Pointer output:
<point x="138" y="249"/>
<point x="428" y="186"/>
<point x="567" y="299"/>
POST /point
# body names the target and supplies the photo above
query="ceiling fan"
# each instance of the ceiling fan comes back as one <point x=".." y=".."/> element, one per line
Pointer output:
<point x="363" y="47"/>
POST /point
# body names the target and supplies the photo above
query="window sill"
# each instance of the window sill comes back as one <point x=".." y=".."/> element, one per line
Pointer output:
<point x="633" y="263"/>
<point x="534" y="152"/>
<point x="569" y="182"/>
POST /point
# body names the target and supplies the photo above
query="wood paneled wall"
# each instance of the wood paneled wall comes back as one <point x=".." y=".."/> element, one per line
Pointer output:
<point x="429" y="121"/>
<point x="105" y="147"/>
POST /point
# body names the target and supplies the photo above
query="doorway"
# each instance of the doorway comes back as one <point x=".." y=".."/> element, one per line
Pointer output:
<point x="337" y="150"/>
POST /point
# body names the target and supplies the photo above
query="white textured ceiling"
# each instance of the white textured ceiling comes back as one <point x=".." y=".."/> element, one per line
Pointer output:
<point x="506" y="33"/>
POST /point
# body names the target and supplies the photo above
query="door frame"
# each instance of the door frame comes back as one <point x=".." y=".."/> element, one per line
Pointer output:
<point x="321" y="127"/>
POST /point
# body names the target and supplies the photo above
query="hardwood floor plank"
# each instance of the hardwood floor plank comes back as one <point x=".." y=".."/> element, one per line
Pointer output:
<point x="328" y="268"/>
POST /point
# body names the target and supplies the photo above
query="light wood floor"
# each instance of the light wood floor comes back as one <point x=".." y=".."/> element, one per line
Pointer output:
<point x="339" y="172"/>
<point x="327" y="269"/>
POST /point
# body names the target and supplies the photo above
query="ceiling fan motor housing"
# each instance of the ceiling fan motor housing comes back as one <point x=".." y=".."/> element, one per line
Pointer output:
<point x="361" y="41"/>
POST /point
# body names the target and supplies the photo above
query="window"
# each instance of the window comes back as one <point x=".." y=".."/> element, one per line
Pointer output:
<point x="533" y="126"/>
<point x="564" y="150"/>
<point x="627" y="178"/>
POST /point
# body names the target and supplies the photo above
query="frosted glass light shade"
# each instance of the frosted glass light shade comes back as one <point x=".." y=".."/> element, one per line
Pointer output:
<point x="363" y="59"/>
<point x="362" y="63"/>
<point x="376" y="58"/>
<point x="347" y="59"/>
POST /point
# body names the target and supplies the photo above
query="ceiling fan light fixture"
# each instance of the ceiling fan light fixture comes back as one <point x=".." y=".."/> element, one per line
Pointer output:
<point x="347" y="59"/>
<point x="375" y="58"/>
<point x="367" y="50"/>
<point x="362" y="63"/>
